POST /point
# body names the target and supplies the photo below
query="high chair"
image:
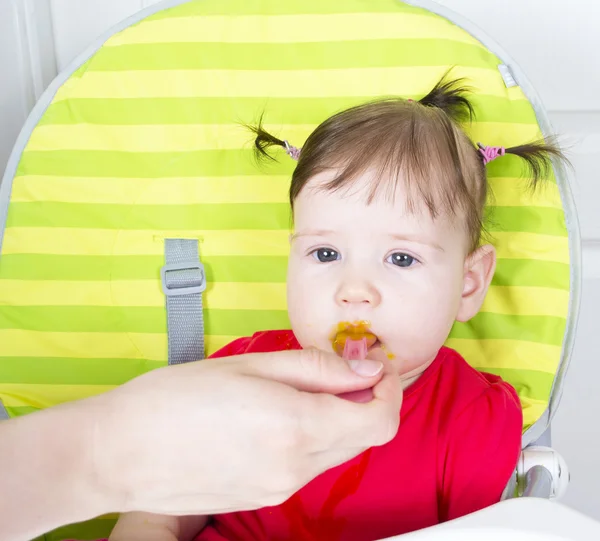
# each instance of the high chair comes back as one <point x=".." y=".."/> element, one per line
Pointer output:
<point x="136" y="229"/>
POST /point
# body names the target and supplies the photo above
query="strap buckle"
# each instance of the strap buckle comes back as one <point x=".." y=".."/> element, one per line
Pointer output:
<point x="189" y="284"/>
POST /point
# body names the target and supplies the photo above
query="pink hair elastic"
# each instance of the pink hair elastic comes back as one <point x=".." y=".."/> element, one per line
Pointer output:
<point x="490" y="153"/>
<point x="292" y="151"/>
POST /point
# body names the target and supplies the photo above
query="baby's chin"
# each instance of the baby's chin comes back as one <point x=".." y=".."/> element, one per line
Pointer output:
<point x="394" y="364"/>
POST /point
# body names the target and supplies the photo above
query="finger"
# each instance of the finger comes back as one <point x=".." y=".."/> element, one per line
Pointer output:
<point x="336" y="424"/>
<point x="312" y="370"/>
<point x="362" y="397"/>
<point x="377" y="353"/>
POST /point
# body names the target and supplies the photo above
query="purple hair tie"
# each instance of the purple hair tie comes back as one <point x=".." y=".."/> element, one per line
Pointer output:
<point x="292" y="151"/>
<point x="490" y="153"/>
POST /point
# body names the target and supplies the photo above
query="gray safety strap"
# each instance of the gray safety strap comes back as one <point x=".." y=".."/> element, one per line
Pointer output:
<point x="183" y="281"/>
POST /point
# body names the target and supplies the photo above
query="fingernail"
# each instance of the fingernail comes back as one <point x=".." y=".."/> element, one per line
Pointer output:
<point x="366" y="367"/>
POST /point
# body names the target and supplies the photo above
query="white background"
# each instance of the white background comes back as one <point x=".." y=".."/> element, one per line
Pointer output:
<point x="555" y="43"/>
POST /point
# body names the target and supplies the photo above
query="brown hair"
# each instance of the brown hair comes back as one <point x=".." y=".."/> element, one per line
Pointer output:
<point x="418" y="143"/>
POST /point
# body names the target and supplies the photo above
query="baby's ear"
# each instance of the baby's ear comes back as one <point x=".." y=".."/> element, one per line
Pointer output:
<point x="478" y="272"/>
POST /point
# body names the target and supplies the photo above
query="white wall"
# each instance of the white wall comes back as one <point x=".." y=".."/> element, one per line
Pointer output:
<point x="27" y="64"/>
<point x="556" y="45"/>
<point x="72" y="37"/>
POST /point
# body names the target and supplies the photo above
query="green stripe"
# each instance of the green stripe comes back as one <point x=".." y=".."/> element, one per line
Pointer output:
<point x="527" y="272"/>
<point x="72" y="371"/>
<point x="83" y="319"/>
<point x="543" y="329"/>
<point x="547" y="221"/>
<point x="134" y="319"/>
<point x="277" y="7"/>
<point x="221" y="216"/>
<point x="265" y="216"/>
<point x="20" y="410"/>
<point x="530" y="383"/>
<point x="233" y="162"/>
<point x="102" y="163"/>
<point x="292" y="56"/>
<point x="87" y="531"/>
<point x="511" y="166"/>
<point x="540" y="329"/>
<point x="267" y="269"/>
<point x="140" y="111"/>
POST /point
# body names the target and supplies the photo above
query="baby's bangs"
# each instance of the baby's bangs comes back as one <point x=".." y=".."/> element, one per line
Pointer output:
<point x="426" y="163"/>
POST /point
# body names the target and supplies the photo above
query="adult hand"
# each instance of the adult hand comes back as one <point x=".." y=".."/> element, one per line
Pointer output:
<point x="238" y="433"/>
<point x="202" y="438"/>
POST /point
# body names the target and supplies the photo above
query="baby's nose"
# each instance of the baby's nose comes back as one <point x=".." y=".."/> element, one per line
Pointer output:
<point x="360" y="293"/>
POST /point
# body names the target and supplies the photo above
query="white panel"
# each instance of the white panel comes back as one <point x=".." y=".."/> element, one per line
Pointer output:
<point x="38" y="17"/>
<point x="554" y="41"/>
<point x="77" y="24"/>
<point x="575" y="428"/>
<point x="13" y="102"/>
<point x="581" y="135"/>
<point x="575" y="431"/>
<point x="26" y="65"/>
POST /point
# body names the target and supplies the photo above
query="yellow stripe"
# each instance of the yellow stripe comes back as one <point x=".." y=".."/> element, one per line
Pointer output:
<point x="503" y="133"/>
<point x="153" y="347"/>
<point x="531" y="246"/>
<point x="186" y="137"/>
<point x="276" y="83"/>
<point x="15" y="395"/>
<point x="24" y="343"/>
<point x="292" y="29"/>
<point x="147" y="138"/>
<point x="148" y="293"/>
<point x="145" y="191"/>
<point x="512" y="192"/>
<point x="508" y="354"/>
<point x="532" y="410"/>
<point x="526" y="301"/>
<point x="514" y="300"/>
<point x="215" y="342"/>
<point x="67" y="241"/>
<point x="506" y="191"/>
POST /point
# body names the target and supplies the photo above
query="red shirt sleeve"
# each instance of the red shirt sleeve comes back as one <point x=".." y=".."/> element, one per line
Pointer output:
<point x="484" y="445"/>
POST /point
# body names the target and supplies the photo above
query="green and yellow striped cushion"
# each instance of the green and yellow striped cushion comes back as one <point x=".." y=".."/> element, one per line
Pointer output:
<point x="144" y="142"/>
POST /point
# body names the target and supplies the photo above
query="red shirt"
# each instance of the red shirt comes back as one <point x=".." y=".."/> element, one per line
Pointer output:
<point x="457" y="446"/>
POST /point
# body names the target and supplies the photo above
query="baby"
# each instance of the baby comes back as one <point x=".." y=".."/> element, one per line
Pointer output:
<point x="388" y="201"/>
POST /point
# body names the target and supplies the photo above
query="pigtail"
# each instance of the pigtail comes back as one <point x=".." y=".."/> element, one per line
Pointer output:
<point x="538" y="157"/>
<point x="264" y="140"/>
<point x="449" y="96"/>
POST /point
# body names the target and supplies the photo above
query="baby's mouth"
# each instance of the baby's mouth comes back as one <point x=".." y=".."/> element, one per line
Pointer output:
<point x="354" y="331"/>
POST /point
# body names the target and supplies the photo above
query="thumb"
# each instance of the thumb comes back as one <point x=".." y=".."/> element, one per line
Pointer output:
<point x="313" y="370"/>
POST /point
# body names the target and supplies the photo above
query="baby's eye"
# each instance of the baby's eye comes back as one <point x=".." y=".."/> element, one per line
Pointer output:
<point x="326" y="255"/>
<point x="402" y="260"/>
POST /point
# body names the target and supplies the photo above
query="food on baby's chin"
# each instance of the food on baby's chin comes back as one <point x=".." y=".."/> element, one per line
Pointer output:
<point x="356" y="330"/>
<point x="351" y="331"/>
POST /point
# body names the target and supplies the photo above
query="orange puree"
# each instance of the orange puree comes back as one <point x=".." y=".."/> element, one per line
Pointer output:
<point x="353" y="331"/>
<point x="356" y="330"/>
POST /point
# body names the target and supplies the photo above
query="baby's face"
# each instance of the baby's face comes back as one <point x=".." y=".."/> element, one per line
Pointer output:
<point x="350" y="261"/>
